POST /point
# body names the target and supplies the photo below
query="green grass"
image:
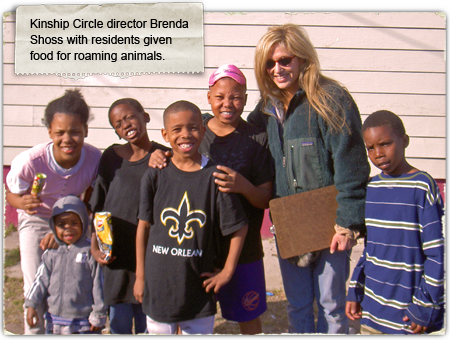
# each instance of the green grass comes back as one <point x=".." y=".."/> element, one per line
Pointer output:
<point x="11" y="228"/>
<point x="13" y="304"/>
<point x="12" y="290"/>
<point x="12" y="257"/>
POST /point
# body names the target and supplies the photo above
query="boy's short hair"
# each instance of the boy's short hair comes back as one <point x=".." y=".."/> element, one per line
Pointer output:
<point x="127" y="101"/>
<point x="385" y="117"/>
<point x="181" y="105"/>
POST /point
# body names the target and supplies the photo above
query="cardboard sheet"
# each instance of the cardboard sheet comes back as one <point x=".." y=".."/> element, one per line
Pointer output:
<point x="304" y="222"/>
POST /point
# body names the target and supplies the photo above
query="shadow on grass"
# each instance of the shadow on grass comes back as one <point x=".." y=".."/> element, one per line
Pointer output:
<point x="274" y="320"/>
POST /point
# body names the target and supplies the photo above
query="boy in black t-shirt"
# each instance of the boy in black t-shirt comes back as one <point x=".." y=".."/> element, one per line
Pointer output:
<point x="242" y="151"/>
<point x="181" y="215"/>
<point x="119" y="174"/>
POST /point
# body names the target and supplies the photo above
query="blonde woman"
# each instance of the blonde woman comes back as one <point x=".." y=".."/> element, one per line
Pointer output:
<point x="314" y="130"/>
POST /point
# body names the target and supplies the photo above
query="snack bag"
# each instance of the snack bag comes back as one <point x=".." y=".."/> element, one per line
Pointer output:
<point x="38" y="184"/>
<point x="104" y="232"/>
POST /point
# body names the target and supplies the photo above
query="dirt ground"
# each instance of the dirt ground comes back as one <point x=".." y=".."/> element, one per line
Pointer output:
<point x="274" y="320"/>
<point x="12" y="305"/>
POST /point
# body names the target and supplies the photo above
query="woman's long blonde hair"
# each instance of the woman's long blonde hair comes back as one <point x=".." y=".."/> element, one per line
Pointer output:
<point x="316" y="85"/>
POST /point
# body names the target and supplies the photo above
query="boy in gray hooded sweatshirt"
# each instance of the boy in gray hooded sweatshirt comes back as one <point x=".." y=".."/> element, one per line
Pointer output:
<point x="68" y="279"/>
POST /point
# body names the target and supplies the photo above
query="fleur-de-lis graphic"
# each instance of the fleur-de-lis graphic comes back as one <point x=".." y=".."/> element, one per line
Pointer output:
<point x="182" y="216"/>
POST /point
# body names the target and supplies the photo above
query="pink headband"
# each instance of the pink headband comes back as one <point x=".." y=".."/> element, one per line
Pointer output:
<point x="224" y="71"/>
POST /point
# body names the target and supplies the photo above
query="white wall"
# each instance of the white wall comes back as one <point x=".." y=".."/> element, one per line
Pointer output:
<point x="387" y="60"/>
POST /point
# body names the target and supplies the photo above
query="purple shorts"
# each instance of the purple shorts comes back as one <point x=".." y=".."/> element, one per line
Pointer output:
<point x="244" y="297"/>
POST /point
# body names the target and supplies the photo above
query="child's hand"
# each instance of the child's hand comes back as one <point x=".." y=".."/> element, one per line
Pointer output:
<point x="230" y="181"/>
<point x="138" y="289"/>
<point x="159" y="159"/>
<point x="95" y="329"/>
<point x="100" y="257"/>
<point x="31" y="314"/>
<point x="417" y="329"/>
<point x="49" y="242"/>
<point x="29" y="203"/>
<point x="353" y="310"/>
<point x="217" y="279"/>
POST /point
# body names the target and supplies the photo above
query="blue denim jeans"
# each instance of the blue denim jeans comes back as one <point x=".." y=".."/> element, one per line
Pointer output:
<point x="121" y="319"/>
<point x="323" y="280"/>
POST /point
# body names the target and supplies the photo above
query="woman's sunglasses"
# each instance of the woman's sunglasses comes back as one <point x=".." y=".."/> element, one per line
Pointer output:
<point x="285" y="61"/>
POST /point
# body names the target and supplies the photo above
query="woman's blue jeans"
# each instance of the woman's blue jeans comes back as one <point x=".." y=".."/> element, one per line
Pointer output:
<point x="323" y="280"/>
<point x="121" y="319"/>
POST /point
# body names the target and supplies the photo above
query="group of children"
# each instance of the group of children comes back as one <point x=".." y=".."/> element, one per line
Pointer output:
<point x="187" y="230"/>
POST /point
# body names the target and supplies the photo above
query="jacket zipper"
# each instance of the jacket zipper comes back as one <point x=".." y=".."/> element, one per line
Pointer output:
<point x="292" y="167"/>
<point x="61" y="290"/>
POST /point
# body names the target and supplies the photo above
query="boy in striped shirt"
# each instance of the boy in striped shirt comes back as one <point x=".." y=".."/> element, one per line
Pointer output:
<point x="397" y="286"/>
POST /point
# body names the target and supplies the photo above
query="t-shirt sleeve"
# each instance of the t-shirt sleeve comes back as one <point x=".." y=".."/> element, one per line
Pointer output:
<point x="256" y="118"/>
<point x="96" y="156"/>
<point x="231" y="213"/>
<point x="21" y="175"/>
<point x="100" y="184"/>
<point x="157" y="146"/>
<point x="147" y="194"/>
<point x="263" y="170"/>
<point x="98" y="196"/>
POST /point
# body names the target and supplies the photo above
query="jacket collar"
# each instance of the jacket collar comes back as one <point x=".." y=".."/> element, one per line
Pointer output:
<point x="275" y="107"/>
